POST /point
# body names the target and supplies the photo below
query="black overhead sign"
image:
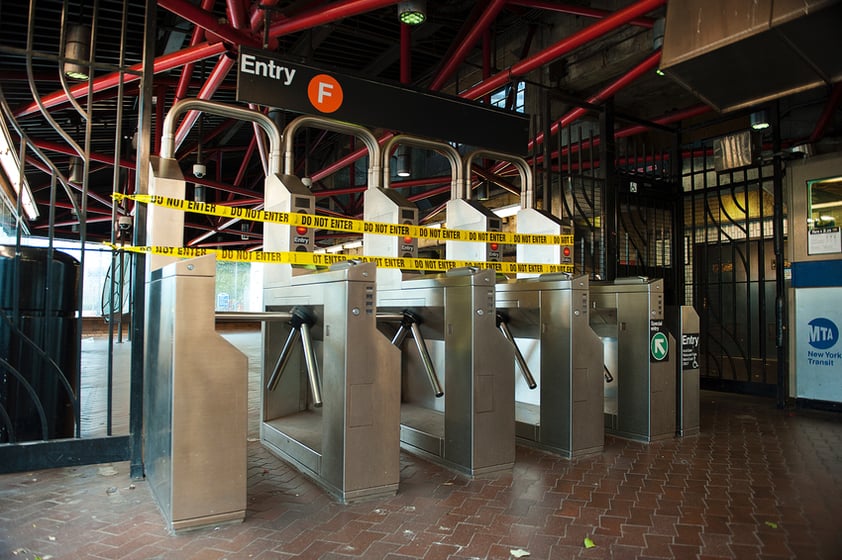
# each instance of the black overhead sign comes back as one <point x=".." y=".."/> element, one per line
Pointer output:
<point x="266" y="79"/>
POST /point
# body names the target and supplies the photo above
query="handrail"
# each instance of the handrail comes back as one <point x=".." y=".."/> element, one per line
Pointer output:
<point x="442" y="148"/>
<point x="224" y="110"/>
<point x="527" y="188"/>
<point x="335" y="126"/>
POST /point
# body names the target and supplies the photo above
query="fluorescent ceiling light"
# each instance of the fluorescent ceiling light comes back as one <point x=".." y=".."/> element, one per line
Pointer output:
<point x="506" y="211"/>
<point x="11" y="165"/>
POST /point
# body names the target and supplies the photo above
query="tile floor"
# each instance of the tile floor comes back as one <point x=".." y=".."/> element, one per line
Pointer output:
<point x="756" y="483"/>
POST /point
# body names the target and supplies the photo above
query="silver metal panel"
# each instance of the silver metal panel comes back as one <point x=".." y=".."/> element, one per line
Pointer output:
<point x="286" y="193"/>
<point x="645" y="388"/>
<point x="817" y="319"/>
<point x="471" y="215"/>
<point x="358" y="424"/>
<point x="164" y="226"/>
<point x="389" y="207"/>
<point x="196" y="392"/>
<point x="530" y="220"/>
<point x="553" y="311"/>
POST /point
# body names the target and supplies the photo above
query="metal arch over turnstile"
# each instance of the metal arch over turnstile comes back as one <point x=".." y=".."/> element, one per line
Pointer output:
<point x="457" y="390"/>
<point x="559" y="394"/>
<point x="640" y="378"/>
<point x="195" y="387"/>
<point x="329" y="405"/>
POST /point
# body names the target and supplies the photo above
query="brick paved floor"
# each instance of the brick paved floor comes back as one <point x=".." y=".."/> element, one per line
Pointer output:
<point x="756" y="483"/>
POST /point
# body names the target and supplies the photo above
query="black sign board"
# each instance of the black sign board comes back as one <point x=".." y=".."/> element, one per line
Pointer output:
<point x="266" y="79"/>
<point x="689" y="351"/>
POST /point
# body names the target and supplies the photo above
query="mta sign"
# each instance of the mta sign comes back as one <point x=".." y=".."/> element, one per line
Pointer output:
<point x="823" y="333"/>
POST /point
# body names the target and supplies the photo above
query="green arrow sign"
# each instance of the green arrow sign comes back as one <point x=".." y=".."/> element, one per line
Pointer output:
<point x="658" y="346"/>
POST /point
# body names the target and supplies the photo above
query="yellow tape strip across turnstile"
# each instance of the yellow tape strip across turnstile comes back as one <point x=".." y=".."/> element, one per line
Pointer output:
<point x="347" y="224"/>
<point x="319" y="259"/>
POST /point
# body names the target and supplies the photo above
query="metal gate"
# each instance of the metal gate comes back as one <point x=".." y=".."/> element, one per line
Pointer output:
<point x="730" y="271"/>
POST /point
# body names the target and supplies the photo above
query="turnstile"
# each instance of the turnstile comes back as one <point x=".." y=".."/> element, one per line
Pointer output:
<point x="470" y="429"/>
<point x="639" y="357"/>
<point x="195" y="392"/>
<point x="683" y="323"/>
<point x="548" y="318"/>
<point x="331" y="406"/>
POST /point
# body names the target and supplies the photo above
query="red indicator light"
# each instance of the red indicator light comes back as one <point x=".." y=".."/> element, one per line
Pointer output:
<point x="494" y="246"/>
<point x="301" y="230"/>
<point x="566" y="251"/>
<point x="407" y="240"/>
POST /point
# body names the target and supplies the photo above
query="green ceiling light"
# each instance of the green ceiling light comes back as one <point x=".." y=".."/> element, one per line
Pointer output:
<point x="412" y="12"/>
<point x="760" y="120"/>
<point x="659" y="72"/>
<point x="77" y="49"/>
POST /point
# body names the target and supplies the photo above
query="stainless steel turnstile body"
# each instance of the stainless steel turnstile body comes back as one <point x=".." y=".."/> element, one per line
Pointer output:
<point x="683" y="322"/>
<point x="195" y="409"/>
<point x="548" y="317"/>
<point x="471" y="428"/>
<point x="350" y="445"/>
<point x="628" y="314"/>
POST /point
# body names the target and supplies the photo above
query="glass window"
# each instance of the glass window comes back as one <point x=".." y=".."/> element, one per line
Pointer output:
<point x="500" y="97"/>
<point x="824" y="216"/>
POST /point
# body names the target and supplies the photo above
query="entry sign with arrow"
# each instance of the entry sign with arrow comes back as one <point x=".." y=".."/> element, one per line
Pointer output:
<point x="658" y="343"/>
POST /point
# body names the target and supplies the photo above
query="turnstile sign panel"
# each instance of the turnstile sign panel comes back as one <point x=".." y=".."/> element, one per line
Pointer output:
<point x="659" y="344"/>
<point x="689" y="351"/>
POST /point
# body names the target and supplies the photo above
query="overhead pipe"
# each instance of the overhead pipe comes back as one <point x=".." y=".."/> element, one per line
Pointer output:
<point x="167" y="62"/>
<point x="648" y="65"/>
<point x="527" y="189"/>
<point x="590" y="33"/>
<point x="577" y="11"/>
<point x="470" y="39"/>
<point x="326" y="14"/>
<point x="525" y="66"/>
<point x="237" y="15"/>
<point x="442" y="148"/>
<point x="205" y="19"/>
<point x="217" y="76"/>
<point x="163" y="63"/>
<point x="268" y="125"/>
<point x="187" y="71"/>
<point x="827" y="113"/>
<point x="406" y="53"/>
<point x="368" y="139"/>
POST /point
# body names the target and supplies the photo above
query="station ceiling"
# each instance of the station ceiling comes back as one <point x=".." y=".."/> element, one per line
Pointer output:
<point x="572" y="57"/>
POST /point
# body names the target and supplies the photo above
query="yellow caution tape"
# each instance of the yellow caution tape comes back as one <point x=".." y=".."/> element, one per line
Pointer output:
<point x="324" y="259"/>
<point x="347" y="224"/>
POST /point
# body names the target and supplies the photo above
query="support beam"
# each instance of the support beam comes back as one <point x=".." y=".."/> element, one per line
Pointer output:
<point x="586" y="35"/>
<point x="583" y="11"/>
<point x="471" y="39"/>
<point x="208" y="21"/>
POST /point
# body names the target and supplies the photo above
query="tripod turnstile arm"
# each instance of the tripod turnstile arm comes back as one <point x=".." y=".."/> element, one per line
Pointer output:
<point x="409" y="324"/>
<point x="312" y="364"/>
<point x="524" y="369"/>
<point x="421" y="344"/>
<point x="281" y="364"/>
<point x="300" y="322"/>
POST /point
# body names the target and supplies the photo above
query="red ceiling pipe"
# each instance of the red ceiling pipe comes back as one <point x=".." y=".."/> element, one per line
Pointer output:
<point x="485" y="20"/>
<point x="648" y="65"/>
<point x="208" y="21"/>
<point x="217" y="76"/>
<point x="637" y="129"/>
<point x="406" y="53"/>
<point x="65" y="149"/>
<point x="347" y="160"/>
<point x="237" y="15"/>
<point x="566" y="45"/>
<point x="829" y="109"/>
<point x="598" y="29"/>
<point x="326" y="14"/>
<point x="187" y="71"/>
<point x="40" y="165"/>
<point x="162" y="64"/>
<point x="577" y="11"/>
